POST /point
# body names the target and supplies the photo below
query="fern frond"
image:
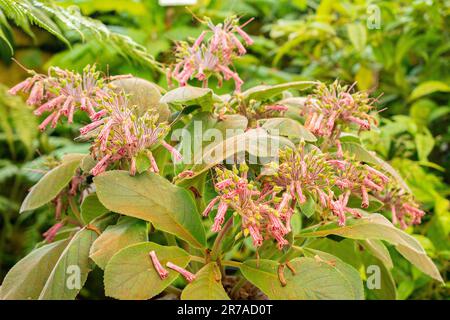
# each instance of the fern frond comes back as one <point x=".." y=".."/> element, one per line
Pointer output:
<point x="60" y="21"/>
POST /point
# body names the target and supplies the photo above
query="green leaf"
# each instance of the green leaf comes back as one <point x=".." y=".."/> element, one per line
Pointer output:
<point x="126" y="232"/>
<point x="257" y="142"/>
<point x="206" y="286"/>
<point x="264" y="92"/>
<point x="91" y="208"/>
<point x="309" y="207"/>
<point x="378" y="249"/>
<point x="288" y="128"/>
<point x="376" y="226"/>
<point x="28" y="276"/>
<point x="73" y="266"/>
<point x="346" y="270"/>
<point x="357" y="35"/>
<point x="313" y="280"/>
<point x="150" y="197"/>
<point x="424" y="144"/>
<point x="428" y="87"/>
<point x="188" y="96"/>
<point x="142" y="162"/>
<point x="52" y="183"/>
<point x="130" y="273"/>
<point x="387" y="289"/>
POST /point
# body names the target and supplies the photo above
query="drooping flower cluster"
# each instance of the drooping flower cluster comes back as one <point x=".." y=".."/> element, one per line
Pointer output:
<point x="263" y="214"/>
<point x="120" y="136"/>
<point x="330" y="108"/>
<point x="405" y="210"/>
<point x="119" y="133"/>
<point x="308" y="171"/>
<point x="62" y="92"/>
<point x="212" y="56"/>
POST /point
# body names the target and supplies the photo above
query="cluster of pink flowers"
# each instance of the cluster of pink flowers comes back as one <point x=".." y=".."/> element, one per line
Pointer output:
<point x="332" y="107"/>
<point x="213" y="56"/>
<point x="405" y="211"/>
<point x="303" y="173"/>
<point x="120" y="135"/>
<point x="163" y="273"/>
<point x="264" y="215"/>
<point x="62" y="92"/>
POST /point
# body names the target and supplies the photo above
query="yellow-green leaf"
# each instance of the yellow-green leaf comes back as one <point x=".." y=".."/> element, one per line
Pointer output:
<point x="206" y="286"/>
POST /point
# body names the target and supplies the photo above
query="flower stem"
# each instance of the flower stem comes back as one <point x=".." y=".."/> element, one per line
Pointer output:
<point x="217" y="246"/>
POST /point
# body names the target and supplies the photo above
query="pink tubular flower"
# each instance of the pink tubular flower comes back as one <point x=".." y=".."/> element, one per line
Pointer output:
<point x="220" y="217"/>
<point x="276" y="107"/>
<point x="186" y="274"/>
<point x="91" y="126"/>
<point x="163" y="273"/>
<point x="210" y="206"/>
<point x="101" y="165"/>
<point x="50" y="234"/>
<point x="175" y="153"/>
<point x="186" y="174"/>
<point x="331" y="108"/>
<point x="224" y="184"/>
<point x="213" y="56"/>
<point x="256" y="236"/>
<point x="61" y="92"/>
<point x="365" y="197"/>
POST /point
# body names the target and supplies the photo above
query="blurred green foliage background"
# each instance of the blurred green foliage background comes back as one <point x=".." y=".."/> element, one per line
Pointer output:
<point x="398" y="50"/>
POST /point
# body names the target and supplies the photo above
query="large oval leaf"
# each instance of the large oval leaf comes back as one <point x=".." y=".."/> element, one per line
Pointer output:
<point x="126" y="232"/>
<point x="188" y="95"/>
<point x="73" y="266"/>
<point x="344" y="269"/>
<point x="313" y="280"/>
<point x="52" y="183"/>
<point x="130" y="273"/>
<point x="376" y="226"/>
<point x="289" y="128"/>
<point x="27" y="278"/>
<point x="263" y="92"/>
<point x="91" y="208"/>
<point x="257" y="142"/>
<point x="150" y="197"/>
<point x="206" y="286"/>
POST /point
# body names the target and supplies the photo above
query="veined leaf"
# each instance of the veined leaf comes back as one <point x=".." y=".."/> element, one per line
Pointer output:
<point x="264" y="92"/>
<point x="70" y="272"/>
<point x="257" y="142"/>
<point x="313" y="280"/>
<point x="126" y="232"/>
<point x="52" y="183"/>
<point x="188" y="95"/>
<point x="150" y="197"/>
<point x="130" y="273"/>
<point x="206" y="286"/>
<point x="346" y="270"/>
<point x="288" y="128"/>
<point x="91" y="208"/>
<point x="376" y="226"/>
<point x="28" y="276"/>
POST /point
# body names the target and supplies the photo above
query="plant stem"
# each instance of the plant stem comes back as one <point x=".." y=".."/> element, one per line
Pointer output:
<point x="230" y="263"/>
<point x="215" y="252"/>
<point x="171" y="241"/>
<point x="198" y="259"/>
<point x="74" y="208"/>
<point x="237" y="287"/>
